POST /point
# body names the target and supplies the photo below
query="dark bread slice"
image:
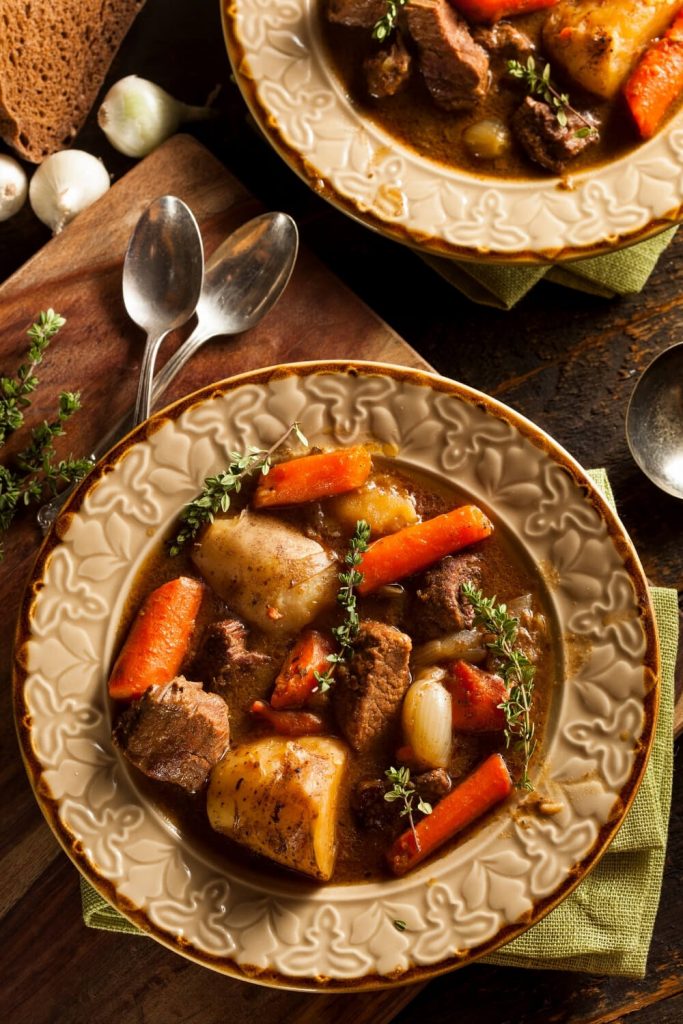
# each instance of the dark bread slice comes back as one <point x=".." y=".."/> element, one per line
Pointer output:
<point x="54" y="56"/>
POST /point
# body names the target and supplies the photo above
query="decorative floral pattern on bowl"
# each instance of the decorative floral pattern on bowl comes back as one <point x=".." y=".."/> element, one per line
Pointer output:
<point x="490" y="887"/>
<point x="280" y="64"/>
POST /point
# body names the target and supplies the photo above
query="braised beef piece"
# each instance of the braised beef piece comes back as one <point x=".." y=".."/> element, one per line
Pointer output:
<point x="375" y="813"/>
<point x="356" y="13"/>
<point x="369" y="688"/>
<point x="223" y="660"/>
<point x="439" y="606"/>
<point x="388" y="68"/>
<point x="504" y="41"/>
<point x="549" y="143"/>
<point x="455" y="68"/>
<point x="175" y="733"/>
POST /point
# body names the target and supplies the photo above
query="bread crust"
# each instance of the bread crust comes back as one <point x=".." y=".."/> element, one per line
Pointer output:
<point x="46" y="91"/>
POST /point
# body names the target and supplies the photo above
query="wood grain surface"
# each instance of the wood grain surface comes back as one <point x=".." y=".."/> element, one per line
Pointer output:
<point x="567" y="361"/>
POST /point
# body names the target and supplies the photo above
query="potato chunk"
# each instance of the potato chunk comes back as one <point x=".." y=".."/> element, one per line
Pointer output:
<point x="279" y="797"/>
<point x="597" y="42"/>
<point x="267" y="571"/>
<point x="382" y="502"/>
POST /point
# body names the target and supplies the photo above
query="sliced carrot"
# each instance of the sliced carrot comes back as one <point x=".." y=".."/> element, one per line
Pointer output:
<point x="657" y="80"/>
<point x="477" y="696"/>
<point x="288" y="723"/>
<point x="313" y="477"/>
<point x="492" y="10"/>
<point x="297" y="681"/>
<point x="415" y="547"/>
<point x="479" y="792"/>
<point x="158" y="640"/>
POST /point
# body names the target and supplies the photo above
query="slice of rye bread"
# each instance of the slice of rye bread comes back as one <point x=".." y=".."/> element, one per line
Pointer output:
<point x="54" y="56"/>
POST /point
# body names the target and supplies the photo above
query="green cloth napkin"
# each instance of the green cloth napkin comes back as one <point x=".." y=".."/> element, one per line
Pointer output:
<point x="605" y="925"/>
<point x="624" y="272"/>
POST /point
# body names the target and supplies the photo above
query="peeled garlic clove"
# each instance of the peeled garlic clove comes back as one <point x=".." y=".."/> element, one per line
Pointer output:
<point x="427" y="720"/>
<point x="137" y="116"/>
<point x="13" y="187"/>
<point x="64" y="184"/>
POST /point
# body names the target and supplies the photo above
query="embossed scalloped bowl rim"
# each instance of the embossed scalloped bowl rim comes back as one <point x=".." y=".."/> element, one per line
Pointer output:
<point x="280" y="65"/>
<point x="492" y="886"/>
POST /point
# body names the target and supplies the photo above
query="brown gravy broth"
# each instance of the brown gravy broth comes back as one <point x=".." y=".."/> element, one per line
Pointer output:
<point x="412" y="116"/>
<point x="360" y="856"/>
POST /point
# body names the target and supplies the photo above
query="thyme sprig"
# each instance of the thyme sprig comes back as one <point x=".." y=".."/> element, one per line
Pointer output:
<point x="14" y="390"/>
<point x="217" y="490"/>
<point x="347" y="632"/>
<point x="516" y="669"/>
<point x="383" y="28"/>
<point x="35" y="471"/>
<point x="403" y="789"/>
<point x="539" y="83"/>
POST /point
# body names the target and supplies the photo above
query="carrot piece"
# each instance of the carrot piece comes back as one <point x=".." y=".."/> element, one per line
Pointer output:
<point x="296" y="681"/>
<point x="477" y="696"/>
<point x="484" y="788"/>
<point x="288" y="723"/>
<point x="657" y="80"/>
<point x="313" y="477"/>
<point x="415" y="547"/>
<point x="492" y="10"/>
<point x="158" y="640"/>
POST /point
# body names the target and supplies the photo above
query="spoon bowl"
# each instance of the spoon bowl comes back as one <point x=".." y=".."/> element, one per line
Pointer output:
<point x="162" y="280"/>
<point x="654" y="421"/>
<point x="243" y="280"/>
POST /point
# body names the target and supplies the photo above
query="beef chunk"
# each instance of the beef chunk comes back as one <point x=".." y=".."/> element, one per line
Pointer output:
<point x="175" y="733"/>
<point x="369" y="689"/>
<point x="223" y="660"/>
<point x="356" y="13"/>
<point x="439" y="607"/>
<point x="455" y="68"/>
<point x="388" y="69"/>
<point x="432" y="785"/>
<point x="504" y="41"/>
<point x="545" y="140"/>
<point x="376" y="813"/>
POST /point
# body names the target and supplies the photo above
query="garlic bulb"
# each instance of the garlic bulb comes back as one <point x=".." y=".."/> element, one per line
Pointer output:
<point x="427" y="722"/>
<point x="137" y="116"/>
<point x="13" y="187"/>
<point x="64" y="184"/>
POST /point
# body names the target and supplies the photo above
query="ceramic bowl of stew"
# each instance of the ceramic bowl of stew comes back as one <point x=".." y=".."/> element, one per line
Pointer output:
<point x="530" y="137"/>
<point x="268" y="853"/>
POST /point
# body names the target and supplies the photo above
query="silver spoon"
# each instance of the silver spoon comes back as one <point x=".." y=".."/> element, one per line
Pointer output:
<point x="244" y="278"/>
<point x="654" y="421"/>
<point x="162" y="280"/>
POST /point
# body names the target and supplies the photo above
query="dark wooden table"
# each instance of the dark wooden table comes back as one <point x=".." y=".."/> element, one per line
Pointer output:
<point x="567" y="361"/>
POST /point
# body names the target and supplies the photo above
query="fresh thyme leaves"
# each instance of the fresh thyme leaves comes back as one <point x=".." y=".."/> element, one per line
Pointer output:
<point x="14" y="390"/>
<point x="538" y="83"/>
<point x="217" y="490"/>
<point x="35" y="470"/>
<point x="383" y="28"/>
<point x="516" y="669"/>
<point x="403" y="789"/>
<point x="346" y="633"/>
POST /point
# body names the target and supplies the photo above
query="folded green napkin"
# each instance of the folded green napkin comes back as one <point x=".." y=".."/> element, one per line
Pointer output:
<point x="624" y="272"/>
<point x="605" y="925"/>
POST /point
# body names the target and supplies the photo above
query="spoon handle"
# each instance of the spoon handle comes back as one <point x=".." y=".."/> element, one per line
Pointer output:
<point x="48" y="512"/>
<point x="178" y="360"/>
<point x="143" y="399"/>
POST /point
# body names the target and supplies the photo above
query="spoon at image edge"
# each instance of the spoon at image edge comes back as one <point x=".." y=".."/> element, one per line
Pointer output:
<point x="654" y="421"/>
<point x="162" y="281"/>
<point x="243" y="280"/>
